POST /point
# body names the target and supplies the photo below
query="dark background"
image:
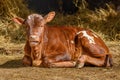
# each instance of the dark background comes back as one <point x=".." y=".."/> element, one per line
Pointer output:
<point x="66" y="6"/>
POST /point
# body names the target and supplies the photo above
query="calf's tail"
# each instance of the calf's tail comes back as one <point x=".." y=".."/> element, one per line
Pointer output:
<point x="108" y="61"/>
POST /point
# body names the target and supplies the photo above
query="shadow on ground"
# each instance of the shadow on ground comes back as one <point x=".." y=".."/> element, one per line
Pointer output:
<point x="12" y="64"/>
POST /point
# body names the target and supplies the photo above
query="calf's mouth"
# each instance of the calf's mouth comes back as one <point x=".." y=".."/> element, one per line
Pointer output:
<point x="34" y="43"/>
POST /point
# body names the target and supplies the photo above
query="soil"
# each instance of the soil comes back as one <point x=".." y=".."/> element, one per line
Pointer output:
<point x="11" y="68"/>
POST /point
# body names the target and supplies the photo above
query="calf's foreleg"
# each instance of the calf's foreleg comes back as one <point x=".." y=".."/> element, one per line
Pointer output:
<point x="27" y="61"/>
<point x="52" y="63"/>
<point x="64" y="64"/>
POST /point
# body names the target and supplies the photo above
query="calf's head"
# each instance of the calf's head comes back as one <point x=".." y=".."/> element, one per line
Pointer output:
<point x="35" y="24"/>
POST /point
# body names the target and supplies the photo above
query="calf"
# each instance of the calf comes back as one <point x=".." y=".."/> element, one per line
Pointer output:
<point x="53" y="46"/>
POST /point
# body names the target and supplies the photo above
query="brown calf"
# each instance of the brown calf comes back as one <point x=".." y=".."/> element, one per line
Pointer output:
<point x="61" y="46"/>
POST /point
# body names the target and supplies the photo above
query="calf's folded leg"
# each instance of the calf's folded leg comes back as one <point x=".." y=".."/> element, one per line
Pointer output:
<point x="85" y="59"/>
<point x="27" y="61"/>
<point x="64" y="64"/>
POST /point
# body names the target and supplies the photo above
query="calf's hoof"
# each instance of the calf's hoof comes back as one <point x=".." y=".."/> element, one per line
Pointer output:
<point x="36" y="63"/>
<point x="80" y="65"/>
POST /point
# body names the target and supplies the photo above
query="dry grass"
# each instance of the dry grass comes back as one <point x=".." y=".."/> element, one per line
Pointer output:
<point x="8" y="48"/>
<point x="10" y="9"/>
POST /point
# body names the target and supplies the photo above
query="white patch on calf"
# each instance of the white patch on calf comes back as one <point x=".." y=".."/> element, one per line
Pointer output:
<point x="78" y="32"/>
<point x="90" y="38"/>
<point x="29" y="17"/>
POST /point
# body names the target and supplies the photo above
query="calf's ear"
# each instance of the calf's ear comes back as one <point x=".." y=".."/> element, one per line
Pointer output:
<point x="49" y="16"/>
<point x="18" y="20"/>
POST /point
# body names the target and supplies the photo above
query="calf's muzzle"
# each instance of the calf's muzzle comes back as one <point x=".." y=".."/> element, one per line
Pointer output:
<point x="34" y="40"/>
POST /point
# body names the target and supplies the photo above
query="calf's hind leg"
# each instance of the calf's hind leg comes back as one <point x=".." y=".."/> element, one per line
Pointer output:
<point x="86" y="59"/>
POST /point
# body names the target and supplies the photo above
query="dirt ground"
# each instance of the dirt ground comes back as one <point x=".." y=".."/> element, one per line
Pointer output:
<point x="11" y="68"/>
